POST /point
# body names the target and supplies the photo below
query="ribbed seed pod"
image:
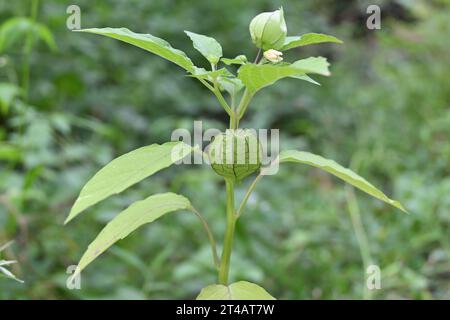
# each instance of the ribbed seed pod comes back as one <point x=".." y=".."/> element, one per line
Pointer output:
<point x="235" y="154"/>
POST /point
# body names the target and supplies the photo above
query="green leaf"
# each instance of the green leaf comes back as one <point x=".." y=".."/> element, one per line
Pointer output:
<point x="241" y="290"/>
<point x="207" y="46"/>
<point x="256" y="77"/>
<point x="127" y="170"/>
<point x="5" y="272"/>
<point x="136" y="215"/>
<point x="240" y="59"/>
<point x="307" y="39"/>
<point x="339" y="171"/>
<point x="306" y="78"/>
<point x="147" y="42"/>
<point x="231" y="85"/>
<point x="7" y="262"/>
<point x="202" y="73"/>
<point x="317" y="65"/>
<point x="46" y="35"/>
<point x="14" y="30"/>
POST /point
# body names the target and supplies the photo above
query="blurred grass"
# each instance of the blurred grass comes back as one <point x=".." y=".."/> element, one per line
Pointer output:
<point x="385" y="110"/>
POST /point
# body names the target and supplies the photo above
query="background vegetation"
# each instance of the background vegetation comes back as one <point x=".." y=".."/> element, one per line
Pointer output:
<point x="71" y="102"/>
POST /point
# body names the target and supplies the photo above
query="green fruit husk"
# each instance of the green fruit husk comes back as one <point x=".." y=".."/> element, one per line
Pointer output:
<point x="235" y="154"/>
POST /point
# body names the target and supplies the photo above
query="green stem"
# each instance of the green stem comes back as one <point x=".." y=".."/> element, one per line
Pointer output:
<point x="235" y="116"/>
<point x="214" y="89"/>
<point x="247" y="195"/>
<point x="229" y="234"/>
<point x="234" y="123"/>
<point x="233" y="102"/>
<point x="222" y="100"/>
<point x="211" y="239"/>
<point x="258" y="56"/>
<point x="245" y="101"/>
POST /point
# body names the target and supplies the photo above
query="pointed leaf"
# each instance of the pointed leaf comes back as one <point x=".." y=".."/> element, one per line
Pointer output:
<point x="256" y="77"/>
<point x="307" y="39"/>
<point x="202" y="73"/>
<point x="136" y="215"/>
<point x="339" y="171"/>
<point x="317" y="65"/>
<point x="240" y="59"/>
<point x="9" y="274"/>
<point x="306" y="78"/>
<point x="3" y="263"/>
<point x="207" y="46"/>
<point x="7" y="262"/>
<point x="147" y="42"/>
<point x="241" y="290"/>
<point x="127" y="170"/>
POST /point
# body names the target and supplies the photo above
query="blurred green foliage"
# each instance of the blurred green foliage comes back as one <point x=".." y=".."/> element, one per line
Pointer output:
<point x="385" y="111"/>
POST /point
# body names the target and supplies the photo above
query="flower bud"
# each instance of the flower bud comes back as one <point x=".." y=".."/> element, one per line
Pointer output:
<point x="235" y="154"/>
<point x="268" y="30"/>
<point x="273" y="55"/>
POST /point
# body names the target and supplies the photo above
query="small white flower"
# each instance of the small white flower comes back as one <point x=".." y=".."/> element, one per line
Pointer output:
<point x="273" y="55"/>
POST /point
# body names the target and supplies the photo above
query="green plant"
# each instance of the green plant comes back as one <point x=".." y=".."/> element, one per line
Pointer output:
<point x="267" y="29"/>
<point x="14" y="31"/>
<point x="28" y="32"/>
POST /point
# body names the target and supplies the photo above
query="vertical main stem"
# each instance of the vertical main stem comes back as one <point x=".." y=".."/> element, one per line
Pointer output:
<point x="229" y="234"/>
<point x="233" y="121"/>
<point x="231" y="211"/>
